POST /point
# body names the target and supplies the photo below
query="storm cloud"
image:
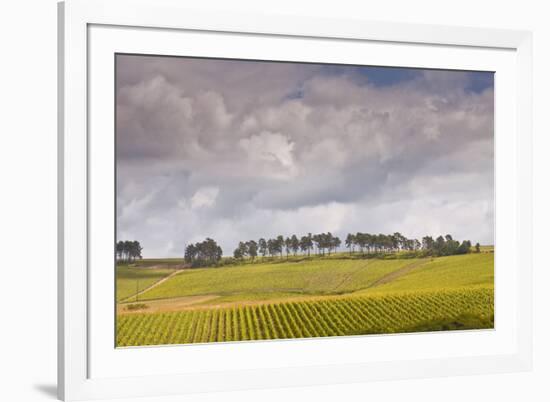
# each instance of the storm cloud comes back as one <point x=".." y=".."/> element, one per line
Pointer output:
<point x="237" y="150"/>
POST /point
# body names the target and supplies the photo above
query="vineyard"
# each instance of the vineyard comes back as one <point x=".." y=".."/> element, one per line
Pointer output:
<point x="301" y="298"/>
<point x="322" y="317"/>
<point x="313" y="277"/>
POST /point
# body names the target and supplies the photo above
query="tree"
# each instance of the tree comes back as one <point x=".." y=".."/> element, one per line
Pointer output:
<point x="279" y="244"/>
<point x="204" y="253"/>
<point x="252" y="248"/>
<point x="135" y="250"/>
<point x="288" y="246"/>
<point x="243" y="249"/>
<point x="294" y="244"/>
<point x="272" y="247"/>
<point x="190" y="253"/>
<point x="127" y="245"/>
<point x="309" y="243"/>
<point x="360" y="240"/>
<point x="119" y="250"/>
<point x="318" y="243"/>
<point x="262" y="244"/>
<point x="328" y="241"/>
<point x="398" y="241"/>
<point x="350" y="241"/>
<point x="478" y="248"/>
<point x="306" y="243"/>
<point x="409" y="244"/>
<point x="428" y="243"/>
<point x="238" y="253"/>
<point x="128" y="251"/>
<point x="439" y="245"/>
<point x="335" y="243"/>
<point x="464" y="248"/>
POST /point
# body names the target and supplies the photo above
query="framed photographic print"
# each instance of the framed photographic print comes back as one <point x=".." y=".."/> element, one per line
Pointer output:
<point x="244" y="196"/>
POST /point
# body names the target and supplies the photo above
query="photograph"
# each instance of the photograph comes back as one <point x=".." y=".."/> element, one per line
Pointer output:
<point x="262" y="200"/>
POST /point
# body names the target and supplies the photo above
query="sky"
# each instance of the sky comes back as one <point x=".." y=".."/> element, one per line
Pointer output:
<point x="237" y="150"/>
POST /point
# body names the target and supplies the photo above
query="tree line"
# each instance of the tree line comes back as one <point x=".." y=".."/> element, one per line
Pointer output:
<point x="128" y="251"/>
<point x="391" y="243"/>
<point x="203" y="253"/>
<point x="363" y="243"/>
<point x="209" y="252"/>
<point x="322" y="242"/>
<point x="396" y="242"/>
<point x="447" y="246"/>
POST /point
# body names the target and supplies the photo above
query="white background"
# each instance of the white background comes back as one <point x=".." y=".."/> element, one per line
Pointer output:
<point x="28" y="200"/>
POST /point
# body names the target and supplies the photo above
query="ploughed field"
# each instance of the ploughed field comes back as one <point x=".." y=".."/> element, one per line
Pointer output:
<point x="302" y="297"/>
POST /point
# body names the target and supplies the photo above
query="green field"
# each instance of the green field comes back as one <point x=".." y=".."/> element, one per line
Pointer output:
<point x="314" y="277"/>
<point x="130" y="280"/>
<point x="440" y="273"/>
<point x="304" y="298"/>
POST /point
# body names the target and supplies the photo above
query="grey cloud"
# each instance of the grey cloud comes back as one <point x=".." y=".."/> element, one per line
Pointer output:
<point x="343" y="155"/>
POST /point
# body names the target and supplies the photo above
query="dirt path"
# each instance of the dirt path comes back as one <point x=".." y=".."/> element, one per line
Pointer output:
<point x="166" y="305"/>
<point x="398" y="273"/>
<point x="154" y="285"/>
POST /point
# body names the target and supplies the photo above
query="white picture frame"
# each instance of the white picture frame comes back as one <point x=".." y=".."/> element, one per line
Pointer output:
<point x="88" y="367"/>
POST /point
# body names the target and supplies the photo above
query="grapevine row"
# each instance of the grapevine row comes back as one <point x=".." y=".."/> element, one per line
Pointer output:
<point x="316" y="318"/>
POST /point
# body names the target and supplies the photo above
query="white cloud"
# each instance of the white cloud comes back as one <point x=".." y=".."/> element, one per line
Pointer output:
<point x="204" y="197"/>
<point x="270" y="154"/>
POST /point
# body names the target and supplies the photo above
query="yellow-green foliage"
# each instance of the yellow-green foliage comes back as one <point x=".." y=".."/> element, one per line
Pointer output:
<point x="128" y="279"/>
<point x="335" y="297"/>
<point x="457" y="271"/>
<point x="265" y="281"/>
<point x="331" y="316"/>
